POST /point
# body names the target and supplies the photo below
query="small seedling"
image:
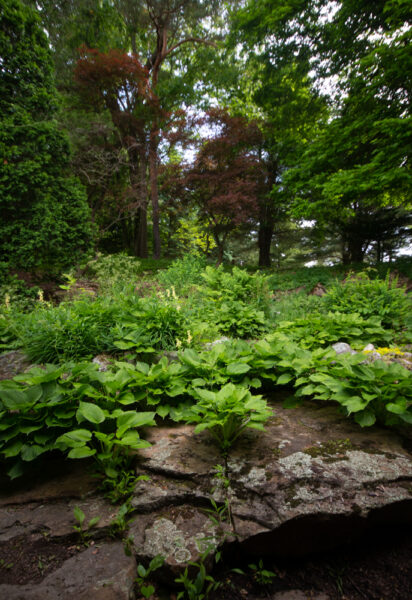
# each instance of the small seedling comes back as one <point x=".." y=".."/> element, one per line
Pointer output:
<point x="84" y="532"/>
<point x="198" y="588"/>
<point x="261" y="575"/>
<point x="120" y="522"/>
<point x="146" y="588"/>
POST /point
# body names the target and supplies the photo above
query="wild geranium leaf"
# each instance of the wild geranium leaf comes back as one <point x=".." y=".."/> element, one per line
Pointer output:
<point x="90" y="412"/>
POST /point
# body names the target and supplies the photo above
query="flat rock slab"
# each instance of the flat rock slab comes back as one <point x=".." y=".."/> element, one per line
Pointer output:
<point x="309" y="482"/>
<point x="54" y="519"/>
<point x="99" y="573"/>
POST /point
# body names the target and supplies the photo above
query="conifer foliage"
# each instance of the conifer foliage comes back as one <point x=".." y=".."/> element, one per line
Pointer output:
<point x="44" y="222"/>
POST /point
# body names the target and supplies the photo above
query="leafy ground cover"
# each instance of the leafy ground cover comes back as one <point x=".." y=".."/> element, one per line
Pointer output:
<point x="69" y="406"/>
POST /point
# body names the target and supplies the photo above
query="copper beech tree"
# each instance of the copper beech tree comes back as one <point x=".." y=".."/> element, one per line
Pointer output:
<point x="228" y="179"/>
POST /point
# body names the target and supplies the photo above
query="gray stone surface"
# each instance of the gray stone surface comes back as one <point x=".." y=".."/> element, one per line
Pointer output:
<point x="99" y="573"/>
<point x="298" y="595"/>
<point x="312" y="469"/>
<point x="312" y="480"/>
<point x="343" y="348"/>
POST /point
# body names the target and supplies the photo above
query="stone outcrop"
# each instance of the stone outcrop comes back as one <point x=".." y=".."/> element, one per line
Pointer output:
<point x="311" y="481"/>
<point x="313" y="476"/>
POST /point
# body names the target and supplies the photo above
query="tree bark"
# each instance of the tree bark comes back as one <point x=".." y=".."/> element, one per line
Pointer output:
<point x="154" y="193"/>
<point x="266" y="227"/>
<point x="142" y="231"/>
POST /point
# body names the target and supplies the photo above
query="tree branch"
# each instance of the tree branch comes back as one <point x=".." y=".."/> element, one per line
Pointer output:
<point x="185" y="41"/>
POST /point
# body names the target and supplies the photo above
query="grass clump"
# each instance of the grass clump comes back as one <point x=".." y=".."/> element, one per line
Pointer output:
<point x="68" y="332"/>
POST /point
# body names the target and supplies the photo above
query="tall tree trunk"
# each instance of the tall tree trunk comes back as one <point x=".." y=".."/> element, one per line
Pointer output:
<point x="154" y="191"/>
<point x="142" y="187"/>
<point x="266" y="227"/>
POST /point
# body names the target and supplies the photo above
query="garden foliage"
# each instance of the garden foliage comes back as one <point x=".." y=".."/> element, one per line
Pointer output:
<point x="45" y="220"/>
<point x="83" y="412"/>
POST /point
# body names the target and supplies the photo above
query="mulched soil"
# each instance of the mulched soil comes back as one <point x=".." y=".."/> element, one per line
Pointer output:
<point x="29" y="559"/>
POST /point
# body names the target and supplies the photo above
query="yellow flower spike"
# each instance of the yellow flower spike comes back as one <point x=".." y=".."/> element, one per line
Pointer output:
<point x="7" y="300"/>
<point x="174" y="292"/>
<point x="189" y="337"/>
<point x="168" y="292"/>
<point x="40" y="295"/>
<point x="178" y="343"/>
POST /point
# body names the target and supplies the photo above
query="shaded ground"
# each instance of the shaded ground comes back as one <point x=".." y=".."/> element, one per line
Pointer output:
<point x="379" y="568"/>
<point x="28" y="559"/>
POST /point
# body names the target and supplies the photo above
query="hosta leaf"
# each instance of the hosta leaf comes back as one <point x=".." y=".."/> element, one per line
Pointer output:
<point x="176" y="390"/>
<point x="205" y="395"/>
<point x="16" y="470"/>
<point x="131" y="419"/>
<point x="354" y="404"/>
<point x="132" y="440"/>
<point x="29" y="453"/>
<point x="284" y="379"/>
<point x="81" y="452"/>
<point x="237" y="368"/>
<point x="397" y="408"/>
<point x="365" y="418"/>
<point x="163" y="410"/>
<point x="13" y="449"/>
<point x="21" y="399"/>
<point x="75" y="438"/>
<point x="29" y="428"/>
<point x="90" y="412"/>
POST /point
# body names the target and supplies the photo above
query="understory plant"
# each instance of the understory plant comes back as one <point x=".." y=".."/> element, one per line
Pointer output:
<point x="376" y="391"/>
<point x="238" y="286"/>
<point x="379" y="298"/>
<point x="326" y="329"/>
<point x="113" y="270"/>
<point x="155" y="324"/>
<point x="80" y="412"/>
<point x="71" y="331"/>
<point x="228" y="412"/>
<point x="183" y="274"/>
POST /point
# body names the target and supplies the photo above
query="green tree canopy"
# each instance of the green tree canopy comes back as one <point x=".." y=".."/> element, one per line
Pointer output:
<point x="45" y="221"/>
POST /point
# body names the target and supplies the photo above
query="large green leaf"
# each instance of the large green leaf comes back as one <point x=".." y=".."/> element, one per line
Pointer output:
<point x="81" y="452"/>
<point x="133" y="419"/>
<point x="237" y="368"/>
<point x="29" y="453"/>
<point x="91" y="412"/>
<point x="21" y="399"/>
<point x="73" y="439"/>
